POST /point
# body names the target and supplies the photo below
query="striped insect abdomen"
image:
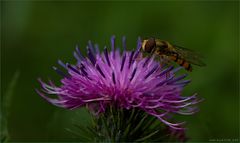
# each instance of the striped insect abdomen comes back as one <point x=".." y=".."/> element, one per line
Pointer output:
<point x="182" y="62"/>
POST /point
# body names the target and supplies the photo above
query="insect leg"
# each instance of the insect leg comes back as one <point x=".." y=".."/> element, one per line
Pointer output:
<point x="165" y="60"/>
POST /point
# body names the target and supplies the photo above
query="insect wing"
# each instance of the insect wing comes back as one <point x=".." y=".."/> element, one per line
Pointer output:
<point x="189" y="55"/>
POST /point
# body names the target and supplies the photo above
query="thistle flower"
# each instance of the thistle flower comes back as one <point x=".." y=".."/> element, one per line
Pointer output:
<point x="122" y="80"/>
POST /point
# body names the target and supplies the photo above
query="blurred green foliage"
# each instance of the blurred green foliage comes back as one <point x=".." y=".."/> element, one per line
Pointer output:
<point x="34" y="35"/>
<point x="5" y="107"/>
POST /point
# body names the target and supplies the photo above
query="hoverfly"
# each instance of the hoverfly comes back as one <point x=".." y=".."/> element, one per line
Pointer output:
<point x="168" y="52"/>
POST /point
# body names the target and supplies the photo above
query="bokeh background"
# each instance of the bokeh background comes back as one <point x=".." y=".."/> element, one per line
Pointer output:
<point x="34" y="35"/>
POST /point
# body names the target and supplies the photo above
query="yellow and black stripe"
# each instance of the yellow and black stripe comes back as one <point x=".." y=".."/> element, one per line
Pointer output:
<point x="181" y="62"/>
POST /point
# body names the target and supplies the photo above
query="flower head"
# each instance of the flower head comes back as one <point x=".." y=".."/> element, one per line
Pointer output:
<point x="125" y="80"/>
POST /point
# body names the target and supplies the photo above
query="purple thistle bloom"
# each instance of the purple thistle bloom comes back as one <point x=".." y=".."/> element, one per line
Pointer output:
<point x="124" y="80"/>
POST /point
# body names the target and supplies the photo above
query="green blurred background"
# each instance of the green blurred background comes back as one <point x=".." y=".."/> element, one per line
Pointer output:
<point x="36" y="34"/>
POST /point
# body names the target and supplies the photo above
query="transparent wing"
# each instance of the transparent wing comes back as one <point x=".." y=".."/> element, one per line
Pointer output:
<point x="189" y="55"/>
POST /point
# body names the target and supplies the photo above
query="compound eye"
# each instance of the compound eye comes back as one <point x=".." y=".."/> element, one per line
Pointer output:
<point x="150" y="44"/>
